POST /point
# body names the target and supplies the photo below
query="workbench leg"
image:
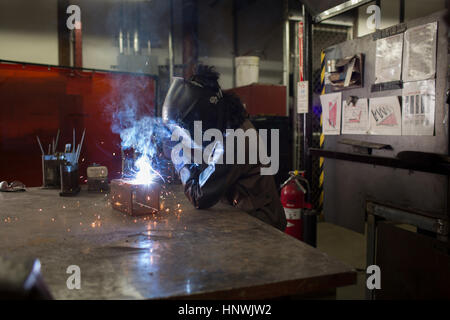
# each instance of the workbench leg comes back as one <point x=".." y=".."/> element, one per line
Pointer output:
<point x="370" y="248"/>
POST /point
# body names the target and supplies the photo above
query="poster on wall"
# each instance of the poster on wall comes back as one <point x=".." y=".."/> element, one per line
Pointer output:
<point x="418" y="108"/>
<point x="355" y="117"/>
<point x="385" y="116"/>
<point x="331" y="113"/>
<point x="419" y="61"/>
<point x="388" y="59"/>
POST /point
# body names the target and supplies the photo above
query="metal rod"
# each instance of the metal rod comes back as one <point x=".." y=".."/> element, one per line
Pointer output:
<point x="77" y="154"/>
<point x="40" y="145"/>
<point x="53" y="145"/>
<point x="80" y="145"/>
<point x="57" y="139"/>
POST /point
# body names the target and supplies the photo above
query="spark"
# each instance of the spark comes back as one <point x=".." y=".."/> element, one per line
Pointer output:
<point x="144" y="173"/>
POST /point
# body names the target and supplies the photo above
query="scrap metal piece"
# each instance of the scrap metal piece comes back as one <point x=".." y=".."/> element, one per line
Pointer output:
<point x="135" y="199"/>
<point x="97" y="178"/>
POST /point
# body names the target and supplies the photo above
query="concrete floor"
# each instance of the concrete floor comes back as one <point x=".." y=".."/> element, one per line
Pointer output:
<point x="349" y="247"/>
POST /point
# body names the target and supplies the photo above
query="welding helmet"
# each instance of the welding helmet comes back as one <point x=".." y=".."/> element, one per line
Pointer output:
<point x="188" y="101"/>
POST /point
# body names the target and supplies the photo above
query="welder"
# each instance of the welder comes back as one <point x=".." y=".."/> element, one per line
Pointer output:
<point x="242" y="185"/>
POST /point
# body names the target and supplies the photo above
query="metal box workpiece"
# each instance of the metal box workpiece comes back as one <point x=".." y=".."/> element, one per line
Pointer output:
<point x="135" y="199"/>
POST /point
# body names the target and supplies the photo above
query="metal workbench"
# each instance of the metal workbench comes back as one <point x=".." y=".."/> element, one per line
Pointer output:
<point x="180" y="252"/>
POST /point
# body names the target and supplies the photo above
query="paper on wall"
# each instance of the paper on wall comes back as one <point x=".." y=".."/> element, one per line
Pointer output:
<point x="302" y="97"/>
<point x="419" y="61"/>
<point x="355" y="117"/>
<point x="418" y="108"/>
<point x="331" y="113"/>
<point x="388" y="59"/>
<point x="385" y="116"/>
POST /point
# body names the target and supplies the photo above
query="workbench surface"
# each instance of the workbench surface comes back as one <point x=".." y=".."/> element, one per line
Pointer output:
<point x="180" y="252"/>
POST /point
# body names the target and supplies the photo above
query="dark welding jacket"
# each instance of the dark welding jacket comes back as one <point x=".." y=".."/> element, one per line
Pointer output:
<point x="240" y="185"/>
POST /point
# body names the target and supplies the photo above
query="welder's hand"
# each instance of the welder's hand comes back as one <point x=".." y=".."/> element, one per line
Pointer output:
<point x="182" y="148"/>
<point x="180" y="157"/>
<point x="167" y="146"/>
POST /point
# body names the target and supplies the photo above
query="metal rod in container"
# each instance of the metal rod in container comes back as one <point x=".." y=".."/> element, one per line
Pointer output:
<point x="40" y="145"/>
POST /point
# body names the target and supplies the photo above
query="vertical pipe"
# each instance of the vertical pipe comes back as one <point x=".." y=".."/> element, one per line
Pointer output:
<point x="235" y="39"/>
<point x="307" y="60"/>
<point x="121" y="29"/>
<point x="286" y="52"/>
<point x="137" y="28"/>
<point x="286" y="62"/>
<point x="78" y="49"/>
<point x="370" y="245"/>
<point x="296" y="79"/>
<point x="128" y="42"/>
<point x="64" y="50"/>
<point x="190" y="36"/>
<point x="72" y="48"/>
<point x="402" y="11"/>
<point x="171" y="57"/>
<point x="136" y="42"/>
<point x="304" y="153"/>
<point x="121" y="41"/>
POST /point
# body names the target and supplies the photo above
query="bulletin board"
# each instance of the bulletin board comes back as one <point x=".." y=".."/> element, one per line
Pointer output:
<point x="347" y="185"/>
<point x="38" y="100"/>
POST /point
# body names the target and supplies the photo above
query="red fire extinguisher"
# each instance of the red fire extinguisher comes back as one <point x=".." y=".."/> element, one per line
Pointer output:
<point x="293" y="193"/>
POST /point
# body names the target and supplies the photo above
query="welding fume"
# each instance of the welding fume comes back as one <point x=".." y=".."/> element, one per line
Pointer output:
<point x="193" y="108"/>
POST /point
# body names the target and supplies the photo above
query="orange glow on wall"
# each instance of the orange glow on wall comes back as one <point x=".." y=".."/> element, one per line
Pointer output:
<point x="39" y="100"/>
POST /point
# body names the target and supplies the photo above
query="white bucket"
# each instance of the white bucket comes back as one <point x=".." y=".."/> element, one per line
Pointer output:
<point x="247" y="70"/>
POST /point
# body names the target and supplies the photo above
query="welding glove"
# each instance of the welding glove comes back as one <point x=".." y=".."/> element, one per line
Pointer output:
<point x="182" y="147"/>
